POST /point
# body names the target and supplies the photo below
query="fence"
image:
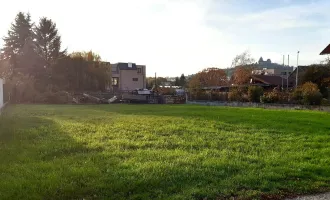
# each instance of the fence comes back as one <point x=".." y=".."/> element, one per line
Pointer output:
<point x="208" y="96"/>
<point x="261" y="105"/>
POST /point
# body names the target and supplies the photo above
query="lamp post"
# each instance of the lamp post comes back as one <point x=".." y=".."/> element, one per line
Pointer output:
<point x="297" y="69"/>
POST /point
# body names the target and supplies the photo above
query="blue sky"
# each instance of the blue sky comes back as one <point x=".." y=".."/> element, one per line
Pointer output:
<point x="184" y="36"/>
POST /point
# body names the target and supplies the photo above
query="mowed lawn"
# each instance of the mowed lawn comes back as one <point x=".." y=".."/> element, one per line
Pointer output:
<point x="161" y="152"/>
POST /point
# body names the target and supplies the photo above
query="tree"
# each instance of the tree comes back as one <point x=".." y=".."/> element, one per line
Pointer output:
<point x="20" y="31"/>
<point x="177" y="81"/>
<point x="89" y="72"/>
<point x="254" y="93"/>
<point x="151" y="81"/>
<point x="87" y="55"/>
<point x="242" y="59"/>
<point x="209" y="77"/>
<point x="242" y="75"/>
<point x="48" y="41"/>
<point x="4" y="69"/>
<point x="182" y="80"/>
<point x="28" y="61"/>
<point x="320" y="75"/>
<point x="311" y="94"/>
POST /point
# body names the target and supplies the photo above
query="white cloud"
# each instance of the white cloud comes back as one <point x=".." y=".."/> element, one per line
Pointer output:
<point x="293" y="16"/>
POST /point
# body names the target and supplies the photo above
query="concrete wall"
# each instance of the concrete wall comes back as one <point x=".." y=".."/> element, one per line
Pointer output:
<point x="1" y="93"/>
<point x="126" y="79"/>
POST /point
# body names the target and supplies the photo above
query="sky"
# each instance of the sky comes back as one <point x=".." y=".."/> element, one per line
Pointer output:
<point x="172" y="37"/>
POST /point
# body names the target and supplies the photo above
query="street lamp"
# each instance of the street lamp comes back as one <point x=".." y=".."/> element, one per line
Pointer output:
<point x="297" y="69"/>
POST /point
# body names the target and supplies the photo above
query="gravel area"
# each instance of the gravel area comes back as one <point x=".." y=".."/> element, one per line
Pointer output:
<point x="325" y="196"/>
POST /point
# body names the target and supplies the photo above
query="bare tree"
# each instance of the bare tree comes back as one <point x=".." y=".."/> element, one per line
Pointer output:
<point x="242" y="59"/>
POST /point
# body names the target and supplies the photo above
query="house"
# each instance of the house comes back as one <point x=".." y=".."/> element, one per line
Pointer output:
<point x="326" y="51"/>
<point x="269" y="81"/>
<point x="128" y="76"/>
<point x="283" y="72"/>
<point x="301" y="72"/>
<point x="269" y="68"/>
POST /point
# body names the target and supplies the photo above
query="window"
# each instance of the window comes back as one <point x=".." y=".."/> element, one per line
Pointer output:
<point x="139" y="70"/>
<point x="115" y="81"/>
<point x="283" y="73"/>
<point x="135" y="79"/>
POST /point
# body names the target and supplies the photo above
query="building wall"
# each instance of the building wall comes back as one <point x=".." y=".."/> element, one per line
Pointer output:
<point x="277" y="72"/>
<point x="1" y="93"/>
<point x="126" y="77"/>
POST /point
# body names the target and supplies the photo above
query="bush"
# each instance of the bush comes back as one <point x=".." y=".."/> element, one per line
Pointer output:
<point x="313" y="98"/>
<point x="297" y="96"/>
<point x="223" y="96"/>
<point x="272" y="97"/>
<point x="307" y="94"/>
<point x="311" y="94"/>
<point x="21" y="89"/>
<point x="254" y="93"/>
<point x="325" y="102"/>
<point x="201" y="95"/>
<point x="167" y="91"/>
<point x="235" y="95"/>
<point x="265" y="99"/>
<point x="219" y="96"/>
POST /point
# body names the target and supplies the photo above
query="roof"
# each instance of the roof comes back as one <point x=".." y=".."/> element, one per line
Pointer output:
<point x="326" y="50"/>
<point x="230" y="86"/>
<point x="302" y="69"/>
<point x="271" y="80"/>
<point x="125" y="66"/>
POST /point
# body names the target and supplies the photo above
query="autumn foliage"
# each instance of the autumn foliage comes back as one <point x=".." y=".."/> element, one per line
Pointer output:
<point x="209" y="77"/>
<point x="242" y="75"/>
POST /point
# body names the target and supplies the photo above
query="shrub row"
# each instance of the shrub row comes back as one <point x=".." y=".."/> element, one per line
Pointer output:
<point x="307" y="94"/>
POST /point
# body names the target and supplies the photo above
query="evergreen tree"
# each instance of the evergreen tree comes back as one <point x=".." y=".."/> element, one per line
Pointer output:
<point x="20" y="31"/>
<point x="48" y="42"/>
<point x="182" y="80"/>
<point x="177" y="81"/>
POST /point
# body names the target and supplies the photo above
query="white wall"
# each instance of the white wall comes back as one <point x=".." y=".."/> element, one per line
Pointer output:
<point x="126" y="79"/>
<point x="1" y="93"/>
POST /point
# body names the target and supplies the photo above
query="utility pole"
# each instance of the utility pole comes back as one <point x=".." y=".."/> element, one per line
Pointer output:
<point x="155" y="81"/>
<point x="282" y="74"/>
<point x="297" y="69"/>
<point x="287" y="74"/>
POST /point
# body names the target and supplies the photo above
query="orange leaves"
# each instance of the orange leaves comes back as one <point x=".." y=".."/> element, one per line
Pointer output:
<point x="242" y="75"/>
<point x="209" y="77"/>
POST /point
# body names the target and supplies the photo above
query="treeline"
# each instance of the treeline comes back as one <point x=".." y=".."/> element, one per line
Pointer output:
<point x="34" y="64"/>
<point x="313" y="84"/>
<point x="162" y="81"/>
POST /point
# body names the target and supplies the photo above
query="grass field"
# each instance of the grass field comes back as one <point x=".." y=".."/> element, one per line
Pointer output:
<point x="161" y="152"/>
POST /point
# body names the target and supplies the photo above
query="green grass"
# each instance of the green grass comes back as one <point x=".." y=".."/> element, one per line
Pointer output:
<point x="161" y="152"/>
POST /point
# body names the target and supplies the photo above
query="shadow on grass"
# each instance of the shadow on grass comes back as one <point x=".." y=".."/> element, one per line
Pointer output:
<point x="41" y="159"/>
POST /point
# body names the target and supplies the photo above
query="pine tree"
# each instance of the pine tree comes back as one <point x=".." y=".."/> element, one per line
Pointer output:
<point x="177" y="81"/>
<point x="182" y="80"/>
<point x="20" y="31"/>
<point x="48" y="42"/>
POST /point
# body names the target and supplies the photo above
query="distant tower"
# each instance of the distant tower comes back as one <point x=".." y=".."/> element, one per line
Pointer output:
<point x="269" y="61"/>
<point x="261" y="60"/>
